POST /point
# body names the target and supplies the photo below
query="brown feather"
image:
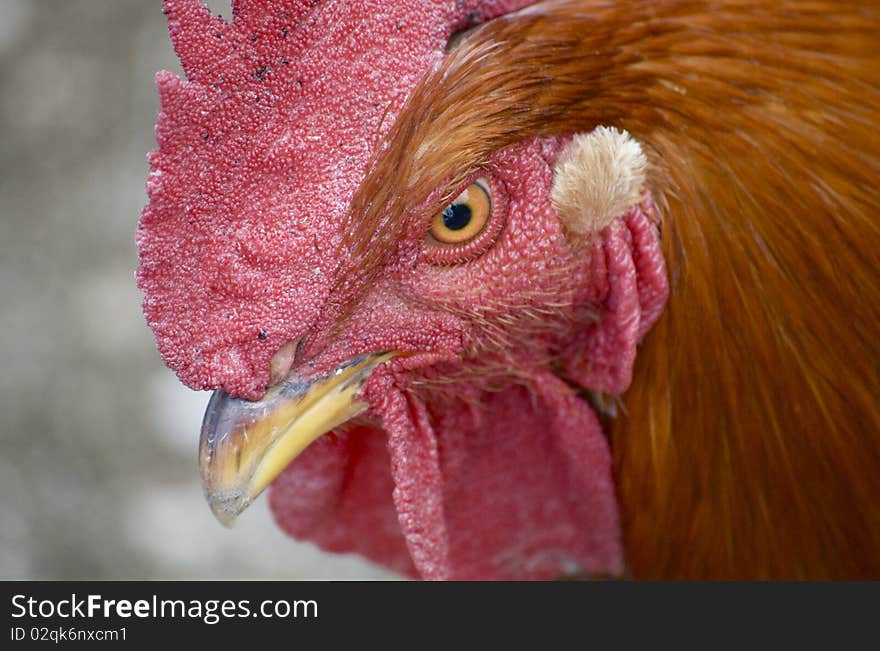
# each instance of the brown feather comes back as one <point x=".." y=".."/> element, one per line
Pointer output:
<point x="750" y="444"/>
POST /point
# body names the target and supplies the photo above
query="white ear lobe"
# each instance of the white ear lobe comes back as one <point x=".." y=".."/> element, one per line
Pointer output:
<point x="598" y="175"/>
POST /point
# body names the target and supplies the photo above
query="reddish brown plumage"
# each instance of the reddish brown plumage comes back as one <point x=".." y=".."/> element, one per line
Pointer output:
<point x="750" y="442"/>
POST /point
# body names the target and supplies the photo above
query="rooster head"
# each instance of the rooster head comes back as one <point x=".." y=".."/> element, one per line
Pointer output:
<point x="338" y="240"/>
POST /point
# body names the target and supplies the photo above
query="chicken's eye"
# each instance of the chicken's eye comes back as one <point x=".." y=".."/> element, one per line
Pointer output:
<point x="463" y="219"/>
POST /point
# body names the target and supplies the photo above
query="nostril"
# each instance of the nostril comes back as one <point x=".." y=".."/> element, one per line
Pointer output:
<point x="283" y="359"/>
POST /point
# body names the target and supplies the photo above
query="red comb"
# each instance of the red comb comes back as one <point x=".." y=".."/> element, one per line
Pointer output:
<point x="260" y="152"/>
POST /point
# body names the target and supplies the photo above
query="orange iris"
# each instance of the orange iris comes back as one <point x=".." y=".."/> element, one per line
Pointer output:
<point x="463" y="219"/>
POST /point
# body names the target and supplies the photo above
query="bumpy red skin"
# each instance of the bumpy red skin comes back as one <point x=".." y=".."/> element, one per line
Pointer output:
<point x="476" y="460"/>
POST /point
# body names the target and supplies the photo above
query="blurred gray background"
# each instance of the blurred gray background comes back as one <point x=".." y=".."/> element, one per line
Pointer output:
<point x="98" y="439"/>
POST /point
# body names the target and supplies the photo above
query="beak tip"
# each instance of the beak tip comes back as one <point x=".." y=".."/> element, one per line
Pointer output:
<point x="227" y="506"/>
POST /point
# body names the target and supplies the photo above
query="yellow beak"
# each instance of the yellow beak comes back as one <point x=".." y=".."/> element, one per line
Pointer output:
<point x="245" y="445"/>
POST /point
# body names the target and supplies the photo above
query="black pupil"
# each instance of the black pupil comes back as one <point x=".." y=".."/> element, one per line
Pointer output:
<point x="456" y="216"/>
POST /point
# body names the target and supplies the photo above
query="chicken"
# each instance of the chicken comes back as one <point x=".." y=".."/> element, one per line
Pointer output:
<point x="439" y="230"/>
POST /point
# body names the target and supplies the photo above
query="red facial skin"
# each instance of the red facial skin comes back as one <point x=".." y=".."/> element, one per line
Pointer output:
<point x="475" y="459"/>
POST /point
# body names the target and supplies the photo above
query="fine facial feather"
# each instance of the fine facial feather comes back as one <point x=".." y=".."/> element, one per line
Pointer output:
<point x="750" y="442"/>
